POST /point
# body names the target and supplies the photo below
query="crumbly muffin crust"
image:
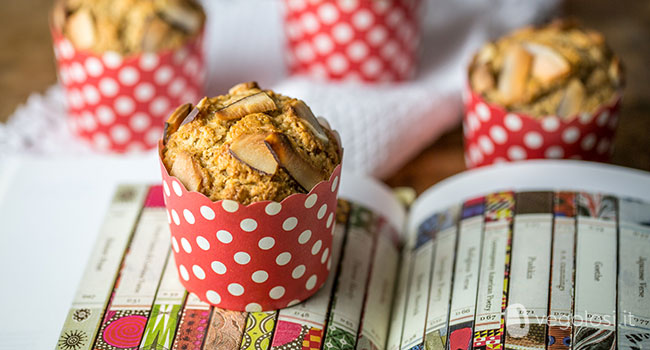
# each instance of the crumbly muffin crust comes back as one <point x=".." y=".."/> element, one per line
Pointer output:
<point x="558" y="69"/>
<point x="127" y="26"/>
<point x="208" y="140"/>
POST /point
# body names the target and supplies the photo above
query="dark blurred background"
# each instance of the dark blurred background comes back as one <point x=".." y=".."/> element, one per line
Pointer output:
<point x="27" y="65"/>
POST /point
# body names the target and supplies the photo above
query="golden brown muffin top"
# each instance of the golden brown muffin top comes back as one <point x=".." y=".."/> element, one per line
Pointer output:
<point x="558" y="69"/>
<point x="249" y="145"/>
<point x="127" y="26"/>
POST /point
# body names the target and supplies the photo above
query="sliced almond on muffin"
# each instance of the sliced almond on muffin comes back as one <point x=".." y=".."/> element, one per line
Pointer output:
<point x="256" y="103"/>
<point x="482" y="79"/>
<point x="242" y="87"/>
<point x="80" y="29"/>
<point x="251" y="150"/>
<point x="514" y="74"/>
<point x="300" y="170"/>
<point x="175" y="120"/>
<point x="182" y="15"/>
<point x="187" y="170"/>
<point x="548" y="64"/>
<point x="301" y="110"/>
<point x="572" y="100"/>
<point x="155" y="33"/>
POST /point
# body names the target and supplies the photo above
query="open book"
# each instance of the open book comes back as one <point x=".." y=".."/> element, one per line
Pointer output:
<point x="540" y="255"/>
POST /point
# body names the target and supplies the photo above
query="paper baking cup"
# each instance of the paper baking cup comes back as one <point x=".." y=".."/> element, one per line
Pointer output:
<point x="262" y="256"/>
<point x="494" y="135"/>
<point x="367" y="40"/>
<point x="119" y="103"/>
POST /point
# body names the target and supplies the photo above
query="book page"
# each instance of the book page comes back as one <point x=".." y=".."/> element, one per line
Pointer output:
<point x="94" y="290"/>
<point x="560" y="326"/>
<point x="528" y="176"/>
<point x="140" y="275"/>
<point x="494" y="271"/>
<point x="634" y="272"/>
<point x="466" y="274"/>
<point x="418" y="289"/>
<point x="375" y="321"/>
<point x="435" y="337"/>
<point x="193" y="323"/>
<point x="309" y="317"/>
<point x="165" y="313"/>
<point x="448" y="288"/>
<point x="596" y="266"/>
<point x="399" y="302"/>
<point x="530" y="270"/>
<point x="351" y="284"/>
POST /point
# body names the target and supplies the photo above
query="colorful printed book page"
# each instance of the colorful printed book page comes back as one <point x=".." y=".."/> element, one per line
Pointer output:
<point x="509" y="269"/>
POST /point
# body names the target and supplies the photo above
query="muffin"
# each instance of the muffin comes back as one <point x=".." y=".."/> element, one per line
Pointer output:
<point x="125" y="65"/>
<point x="250" y="145"/>
<point x="369" y="41"/>
<point x="127" y="26"/>
<point x="263" y="173"/>
<point x="559" y="69"/>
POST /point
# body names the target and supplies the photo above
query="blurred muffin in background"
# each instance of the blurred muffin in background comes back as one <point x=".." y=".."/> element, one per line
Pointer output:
<point x="125" y="64"/>
<point x="559" y="69"/>
<point x="543" y="92"/>
<point x="128" y="26"/>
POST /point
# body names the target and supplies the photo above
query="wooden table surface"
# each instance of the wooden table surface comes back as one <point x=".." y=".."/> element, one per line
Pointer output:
<point x="27" y="65"/>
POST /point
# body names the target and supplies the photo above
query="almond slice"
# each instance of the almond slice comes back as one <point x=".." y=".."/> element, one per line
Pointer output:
<point x="187" y="170"/>
<point x="548" y="64"/>
<point x="185" y="17"/>
<point x="155" y="32"/>
<point x="301" y="170"/>
<point x="324" y="123"/>
<point x="333" y="133"/>
<point x="239" y="88"/>
<point x="257" y="103"/>
<point x="175" y="120"/>
<point x="80" y="29"/>
<point x="572" y="100"/>
<point x="482" y="79"/>
<point x="514" y="74"/>
<point x="203" y="101"/>
<point x="251" y="150"/>
<point x="304" y="112"/>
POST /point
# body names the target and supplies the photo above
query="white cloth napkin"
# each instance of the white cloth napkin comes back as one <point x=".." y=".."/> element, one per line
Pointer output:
<point x="382" y="126"/>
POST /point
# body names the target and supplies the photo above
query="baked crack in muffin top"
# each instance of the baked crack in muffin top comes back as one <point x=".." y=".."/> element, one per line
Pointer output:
<point x="558" y="69"/>
<point x="127" y="26"/>
<point x="249" y="145"/>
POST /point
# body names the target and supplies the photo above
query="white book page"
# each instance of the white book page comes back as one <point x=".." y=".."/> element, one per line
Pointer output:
<point x="463" y="303"/>
<point x="595" y="271"/>
<point x="530" y="267"/>
<point x="531" y="175"/>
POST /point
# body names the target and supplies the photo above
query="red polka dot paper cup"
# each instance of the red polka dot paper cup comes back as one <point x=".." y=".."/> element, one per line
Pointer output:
<point x="262" y="256"/>
<point x="119" y="103"/>
<point x="493" y="135"/>
<point x="364" y="40"/>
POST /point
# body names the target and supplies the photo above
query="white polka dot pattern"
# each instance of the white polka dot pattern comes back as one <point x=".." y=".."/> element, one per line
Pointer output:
<point x="353" y="40"/>
<point x="260" y="256"/>
<point x="115" y="101"/>
<point x="493" y="135"/>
